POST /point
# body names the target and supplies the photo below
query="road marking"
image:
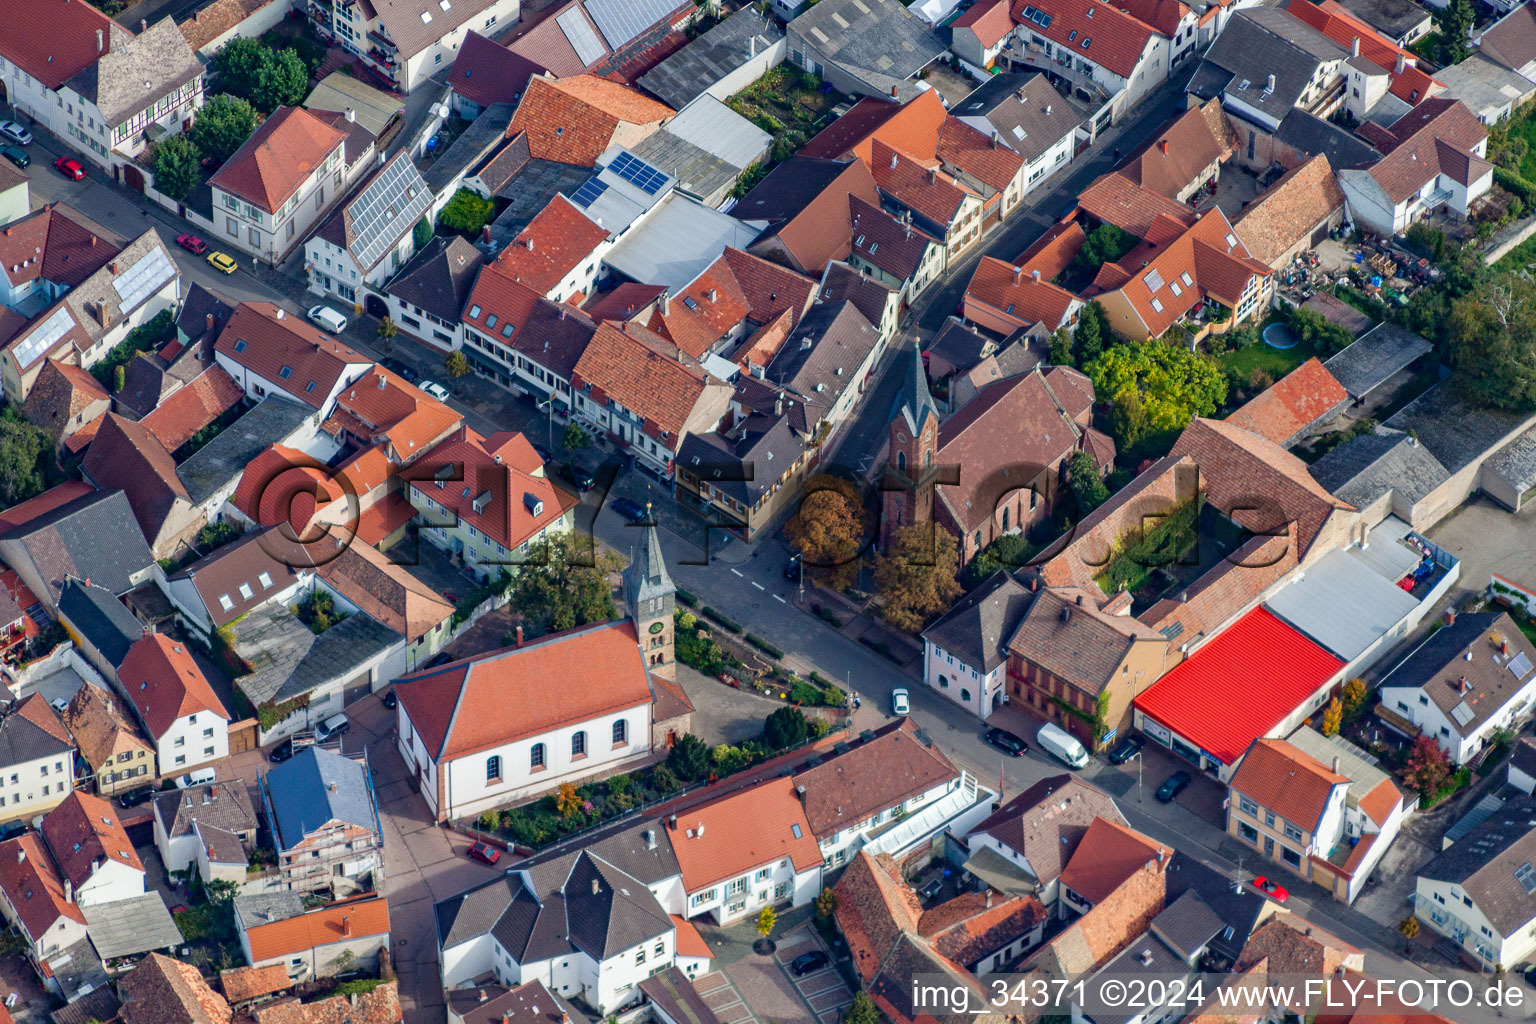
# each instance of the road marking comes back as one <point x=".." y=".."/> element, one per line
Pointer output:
<point x="779" y="599"/>
<point x="738" y="573"/>
<point x="756" y="584"/>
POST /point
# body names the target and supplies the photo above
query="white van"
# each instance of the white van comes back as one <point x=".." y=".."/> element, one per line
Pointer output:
<point x="328" y="318"/>
<point x="196" y="778"/>
<point x="1062" y="745"/>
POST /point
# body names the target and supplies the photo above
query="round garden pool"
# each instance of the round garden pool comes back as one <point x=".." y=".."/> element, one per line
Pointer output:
<point x="1279" y="336"/>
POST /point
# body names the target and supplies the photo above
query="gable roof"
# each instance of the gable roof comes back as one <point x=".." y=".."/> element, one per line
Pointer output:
<point x="1066" y="634"/>
<point x="1289" y="210"/>
<point x="99" y="722"/>
<point x="881" y="43"/>
<point x="1484" y="863"/>
<point x="1468" y="649"/>
<point x="30" y="730"/>
<point x="90" y="535"/>
<point x="269" y="168"/>
<point x="1411" y="85"/>
<point x="53" y="40"/>
<point x="386" y="590"/>
<point x="1045" y="823"/>
<point x="381" y="407"/>
<point x="707" y="60"/>
<point x="875" y="775"/>
<point x="57" y="244"/>
<point x="804" y="202"/>
<point x="192" y="407"/>
<point x="165" y="991"/>
<point x="1106" y="35"/>
<point x="1512" y="39"/>
<point x="83" y="829"/>
<point x="552" y="245"/>
<point x="137" y="70"/>
<point x="32" y="885"/>
<point x="1177" y="152"/>
<point x="1436" y="137"/>
<point x="573" y="120"/>
<point x="1017" y="294"/>
<point x="61" y="392"/>
<point x="165" y="684"/>
<point x="323" y="926"/>
<point x="1107" y="855"/>
<point x="1293" y="404"/>
<point x="379" y="212"/>
<point x="747" y="829"/>
<point x="1115" y="199"/>
<point x="264" y="339"/>
<point x="1288" y="781"/>
<point x="225" y="806"/>
<point x="439" y="277"/>
<point x="126" y="455"/>
<point x="618" y="364"/>
<point x="315" y="788"/>
<point x="99" y="618"/>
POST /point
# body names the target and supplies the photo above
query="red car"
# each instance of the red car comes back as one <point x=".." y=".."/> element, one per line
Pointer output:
<point x="485" y="853"/>
<point x="1271" y="888"/>
<point x="192" y="244"/>
<point x="71" y="169"/>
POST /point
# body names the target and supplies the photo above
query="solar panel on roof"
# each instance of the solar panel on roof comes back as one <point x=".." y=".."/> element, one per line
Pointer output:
<point x="45" y="337"/>
<point x="622" y="20"/>
<point x="638" y="173"/>
<point x="387" y="209"/>
<point x="1461" y="714"/>
<point x="589" y="191"/>
<point x="144" y="278"/>
<point x="1520" y="665"/>
<point x="580" y="34"/>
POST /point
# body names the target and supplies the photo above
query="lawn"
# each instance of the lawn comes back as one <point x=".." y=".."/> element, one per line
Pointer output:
<point x="1260" y="356"/>
<point x="1521" y="256"/>
<point x="786" y="102"/>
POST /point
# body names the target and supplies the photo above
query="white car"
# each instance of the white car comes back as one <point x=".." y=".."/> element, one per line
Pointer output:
<point x="14" y="132"/>
<point x="434" y="389"/>
<point x="328" y="318"/>
<point x="899" y="702"/>
<point x="332" y="727"/>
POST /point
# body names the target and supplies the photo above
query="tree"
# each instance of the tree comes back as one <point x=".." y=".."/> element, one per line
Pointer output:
<point x="1087" y="486"/>
<point x="281" y="81"/>
<point x="1061" y="348"/>
<point x="1333" y="717"/>
<point x="1490" y="343"/>
<point x="689" y="758"/>
<point x="1092" y="329"/>
<point x="1355" y="695"/>
<point x="1104" y="244"/>
<point x="1409" y="927"/>
<point x="826" y="903"/>
<point x="239" y="64"/>
<point x="456" y="364"/>
<point x="466" y="213"/>
<point x="917" y="575"/>
<point x="1128" y="420"/>
<point x="1455" y="22"/>
<point x="663" y="781"/>
<point x="766" y="919"/>
<point x="562" y="583"/>
<point x="575" y="438"/>
<point x="119" y="377"/>
<point x="1427" y="766"/>
<point x="387" y="330"/>
<point x="176" y="166"/>
<point x="23" y="447"/>
<point x="222" y="126"/>
<point x="861" y="1011"/>
<point x="567" y="801"/>
<point x="827" y="530"/>
<point x="1010" y="551"/>
<point x="1173" y="383"/>
<point x="786" y="727"/>
<point x="421" y="234"/>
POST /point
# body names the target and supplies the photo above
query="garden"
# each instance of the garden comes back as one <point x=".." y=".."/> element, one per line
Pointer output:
<point x="789" y="104"/>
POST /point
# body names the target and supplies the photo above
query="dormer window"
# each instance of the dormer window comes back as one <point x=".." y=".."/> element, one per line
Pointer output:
<point x="285" y="372"/>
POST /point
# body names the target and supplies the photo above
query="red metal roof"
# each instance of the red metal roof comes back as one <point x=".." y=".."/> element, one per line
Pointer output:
<point x="1257" y="673"/>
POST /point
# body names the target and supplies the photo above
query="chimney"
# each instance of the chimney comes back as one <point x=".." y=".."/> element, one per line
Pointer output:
<point x="113" y="267"/>
<point x="519" y="636"/>
<point x="281" y="313"/>
<point x="1450" y="616"/>
<point x="1402" y="63"/>
<point x="69" y="891"/>
<point x="528" y="243"/>
<point x="210" y="321"/>
<point x="997" y="138"/>
<point x="666" y="304"/>
<point x="1503" y="645"/>
<point x="751" y="47"/>
<point x="714" y="294"/>
<point x="485" y="234"/>
<point x="989" y="899"/>
<point x="101" y="41"/>
<point x="143" y="24"/>
<point x="1335" y="764"/>
<point x="351" y="116"/>
<point x="893" y="88"/>
<point x="1462" y="686"/>
<point x="332" y="787"/>
<point x="893" y="161"/>
<point x="1035" y="274"/>
<point x="346" y="926"/>
<point x="596" y="887"/>
<point x="93" y="238"/>
<point x="1018" y="274"/>
<point x="650" y="838"/>
<point x="672" y="822"/>
<point x="1271" y="86"/>
<point x="1162" y="146"/>
<point x="1079" y="601"/>
<point x="483" y="996"/>
<point x="21" y="853"/>
<point x="1354" y="47"/>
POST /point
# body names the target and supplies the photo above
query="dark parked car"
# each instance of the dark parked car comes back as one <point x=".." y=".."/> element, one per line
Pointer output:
<point x="582" y="480"/>
<point x="483" y="852"/>
<point x="134" y="797"/>
<point x="805" y="963"/>
<point x="631" y="510"/>
<point x="1007" y="742"/>
<point x="398" y="368"/>
<point x="792" y="570"/>
<point x="441" y="658"/>
<point x="1174" y="785"/>
<point x="11" y="829"/>
<point x="390" y="700"/>
<point x="282" y="752"/>
<point x="16" y="155"/>
<point x="1125" y="750"/>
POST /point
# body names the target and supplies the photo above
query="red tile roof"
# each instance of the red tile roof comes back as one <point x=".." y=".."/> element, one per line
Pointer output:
<point x="506" y="467"/>
<point x="820" y="229"/>
<point x="706" y="310"/>
<point x="279" y="157"/>
<point x="751" y="828"/>
<point x="189" y="409"/>
<point x="355" y="918"/>
<point x="380" y="406"/>
<point x="1115" y="199"/>
<point x="927" y="191"/>
<point x="385" y="590"/>
<point x="1292" y="404"/>
<point x="1163" y="15"/>
<point x="284" y="485"/>
<point x="988" y="19"/>
<point x="1410" y="85"/>
<point x="1259" y="671"/>
<point x="486" y="72"/>
<point x="662" y="391"/>
<point x="1094" y="31"/>
<point x="966" y="149"/>
<point x="50" y="243"/>
<point x="913" y="127"/>
<point x="1380" y="802"/>
<point x="1106" y="856"/>
<point x="54" y="40"/>
<point x="689" y="941"/>
<point x="165" y="991"/>
<point x="165" y="684"/>
<point x="1015" y="294"/>
<point x="1290" y="209"/>
<point x="1436" y="137"/>
<point x="244" y="983"/>
<point x="1280" y="778"/>
<point x="32" y="885"/>
<point x="274" y="341"/>
<point x="768" y="288"/>
<point x="493" y="699"/>
<point x="553" y="244"/>
<point x="573" y="120"/>
<point x="44" y="503"/>
<point x="82" y="829"/>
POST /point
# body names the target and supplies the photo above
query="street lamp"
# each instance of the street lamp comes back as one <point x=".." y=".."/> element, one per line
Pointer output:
<point x="549" y="403"/>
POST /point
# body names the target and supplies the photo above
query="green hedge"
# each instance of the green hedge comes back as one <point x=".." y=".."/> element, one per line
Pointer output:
<point x="1509" y="181"/>
<point x="724" y="620"/>
<point x="764" y="646"/>
<point x="687" y="598"/>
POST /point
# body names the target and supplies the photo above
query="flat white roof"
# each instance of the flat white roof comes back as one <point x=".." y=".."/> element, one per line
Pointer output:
<point x="1343" y="603"/>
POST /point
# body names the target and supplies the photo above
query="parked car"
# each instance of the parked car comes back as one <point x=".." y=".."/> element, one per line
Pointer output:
<point x="399" y="368"/>
<point x="1173" y="786"/>
<point x="580" y="478"/>
<point x="1062" y="745"/>
<point x="483" y="852"/>
<point x="194" y="245"/>
<point x="434" y="389"/>
<point x="631" y="510"/>
<point x="282" y="752"/>
<point x="134" y="797"/>
<point x="16" y="155"/>
<point x="805" y="963"/>
<point x="1007" y="742"/>
<point x="71" y="169"/>
<point x="12" y="829"/>
<point x="931" y="888"/>
<point x="391" y="701"/>
<point x="332" y="727"/>
<point x="1126" y="749"/>
<point x="223" y="262"/>
<point x="901" y="703"/>
<point x="1271" y="888"/>
<point x="442" y="657"/>
<point x="792" y="569"/>
<point x="197" y="778"/>
<point x="12" y="131"/>
<point x="328" y="318"/>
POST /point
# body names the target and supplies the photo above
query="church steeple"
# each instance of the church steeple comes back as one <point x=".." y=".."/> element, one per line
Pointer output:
<point x="914" y="442"/>
<point x="651" y="597"/>
<point x="917" y="400"/>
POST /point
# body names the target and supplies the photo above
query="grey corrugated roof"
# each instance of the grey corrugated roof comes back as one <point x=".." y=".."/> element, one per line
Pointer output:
<point x="484" y="134"/>
<point x="1516" y="462"/>
<point x="1263" y="41"/>
<point x="266" y="907"/>
<point x="676" y="243"/>
<point x="1342" y="604"/>
<point x="94" y="537"/>
<point x="136" y="924"/>
<point x="1484" y="863"/>
<point x="317" y="786"/>
<point x="878" y="41"/>
<point x="1455" y="431"/>
<point x="101" y="619"/>
<point x="287" y="660"/>
<point x="1374" y="357"/>
<point x="977" y="629"/>
<point x="271" y="421"/>
<point x="1363" y="469"/>
<point x="689" y="72"/>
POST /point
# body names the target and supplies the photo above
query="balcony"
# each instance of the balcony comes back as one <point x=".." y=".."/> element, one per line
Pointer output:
<point x="383" y="42"/>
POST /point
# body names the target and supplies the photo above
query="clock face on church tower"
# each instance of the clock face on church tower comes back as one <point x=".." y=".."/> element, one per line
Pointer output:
<point x="657" y="627"/>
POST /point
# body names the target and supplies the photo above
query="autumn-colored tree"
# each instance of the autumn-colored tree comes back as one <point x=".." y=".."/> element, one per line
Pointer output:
<point x="1409" y="927"/>
<point x="1333" y="717"/>
<point x="456" y="364"/>
<point x="766" y="920"/>
<point x="827" y="531"/>
<point x="387" y="330"/>
<point x="826" y="903"/>
<point x="917" y="575"/>
<point x="1427" y="767"/>
<point x="567" y="801"/>
<point x="1355" y="695"/>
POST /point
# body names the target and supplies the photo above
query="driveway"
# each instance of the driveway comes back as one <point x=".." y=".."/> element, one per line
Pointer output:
<point x="824" y="990"/>
<point x="1489" y="539"/>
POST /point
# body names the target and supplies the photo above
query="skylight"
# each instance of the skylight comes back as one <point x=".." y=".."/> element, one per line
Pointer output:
<point x="1157" y="304"/>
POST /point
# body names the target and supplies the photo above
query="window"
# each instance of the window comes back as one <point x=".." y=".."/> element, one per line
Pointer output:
<point x="660" y="949"/>
<point x="735" y="887"/>
<point x="1290" y="856"/>
<point x="1248" y="832"/>
<point x="1248" y="806"/>
<point x="579" y="745"/>
<point x="620" y="732"/>
<point x="640" y="955"/>
<point x="493" y="768"/>
<point x="965" y="695"/>
<point x="943" y="682"/>
<point x="246" y="591"/>
<point x="763" y="874"/>
<point x="208" y="734"/>
<point x="1292" y="832"/>
<point x="536" y="756"/>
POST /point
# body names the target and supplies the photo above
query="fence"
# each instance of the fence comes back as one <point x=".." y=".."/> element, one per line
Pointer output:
<point x="1514" y="592"/>
<point x="65" y="657"/>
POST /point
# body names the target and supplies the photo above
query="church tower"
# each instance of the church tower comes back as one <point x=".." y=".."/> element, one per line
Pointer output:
<point x="914" y="440"/>
<point x="651" y="596"/>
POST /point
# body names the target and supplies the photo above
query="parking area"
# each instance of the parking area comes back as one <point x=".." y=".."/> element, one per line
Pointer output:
<point x="823" y="990"/>
<point x="1489" y="539"/>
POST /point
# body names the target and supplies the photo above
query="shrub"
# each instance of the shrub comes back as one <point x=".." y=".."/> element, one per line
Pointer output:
<point x="466" y="213"/>
<point x="834" y="697"/>
<point x="687" y="598"/>
<point x="764" y="646"/>
<point x="724" y="620"/>
<point x="805" y="694"/>
<point x="786" y="727"/>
